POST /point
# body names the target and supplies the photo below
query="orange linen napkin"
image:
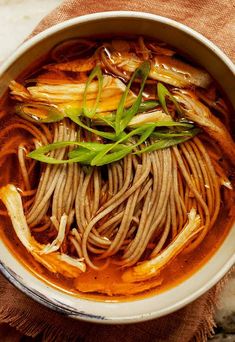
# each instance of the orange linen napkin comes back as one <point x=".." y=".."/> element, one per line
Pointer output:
<point x="214" y="19"/>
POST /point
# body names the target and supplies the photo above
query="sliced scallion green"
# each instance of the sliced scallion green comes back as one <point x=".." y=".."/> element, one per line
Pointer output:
<point x="106" y="135"/>
<point x="40" y="153"/>
<point x="162" y="93"/>
<point x="38" y="112"/>
<point x="124" y="116"/>
<point x="164" y="143"/>
<point x="96" y="72"/>
<point x="147" y="105"/>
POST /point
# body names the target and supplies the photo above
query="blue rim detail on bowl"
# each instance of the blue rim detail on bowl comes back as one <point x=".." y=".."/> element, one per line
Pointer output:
<point x="59" y="307"/>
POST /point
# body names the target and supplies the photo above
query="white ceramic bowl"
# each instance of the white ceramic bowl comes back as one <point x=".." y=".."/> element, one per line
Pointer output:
<point x="221" y="68"/>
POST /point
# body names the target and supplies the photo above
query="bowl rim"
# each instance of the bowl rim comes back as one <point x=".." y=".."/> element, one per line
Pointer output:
<point x="112" y="14"/>
<point x="77" y="21"/>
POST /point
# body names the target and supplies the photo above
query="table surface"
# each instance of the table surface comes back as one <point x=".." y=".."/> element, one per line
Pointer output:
<point x="18" y="18"/>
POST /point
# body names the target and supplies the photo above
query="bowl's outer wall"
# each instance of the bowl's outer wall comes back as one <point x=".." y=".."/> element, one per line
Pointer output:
<point x="217" y="266"/>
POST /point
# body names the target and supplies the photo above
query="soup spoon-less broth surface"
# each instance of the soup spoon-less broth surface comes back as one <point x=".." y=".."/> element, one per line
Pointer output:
<point x="137" y="192"/>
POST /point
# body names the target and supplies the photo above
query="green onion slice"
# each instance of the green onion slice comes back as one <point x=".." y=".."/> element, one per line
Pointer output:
<point x="164" y="143"/>
<point x="96" y="72"/>
<point x="38" y="112"/>
<point x="147" y="105"/>
<point x="74" y="117"/>
<point x="123" y="117"/>
<point x="162" y="93"/>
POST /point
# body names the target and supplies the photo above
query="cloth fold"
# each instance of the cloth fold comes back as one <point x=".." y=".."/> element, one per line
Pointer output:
<point x="214" y="19"/>
<point x="192" y="323"/>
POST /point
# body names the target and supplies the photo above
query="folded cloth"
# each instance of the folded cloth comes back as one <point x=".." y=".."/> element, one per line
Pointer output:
<point x="214" y="19"/>
<point x="193" y="323"/>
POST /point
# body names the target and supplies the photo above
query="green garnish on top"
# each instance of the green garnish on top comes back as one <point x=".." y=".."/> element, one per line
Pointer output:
<point x="119" y="138"/>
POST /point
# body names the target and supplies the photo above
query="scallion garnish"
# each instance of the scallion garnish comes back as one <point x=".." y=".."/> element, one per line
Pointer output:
<point x="123" y="117"/>
<point x="147" y="105"/>
<point x="162" y="93"/>
<point x="96" y="72"/>
<point x="75" y="118"/>
<point x="164" y="143"/>
<point x="38" y="112"/>
<point x="120" y="138"/>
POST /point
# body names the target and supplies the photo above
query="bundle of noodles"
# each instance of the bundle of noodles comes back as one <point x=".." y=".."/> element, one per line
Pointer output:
<point x="132" y="196"/>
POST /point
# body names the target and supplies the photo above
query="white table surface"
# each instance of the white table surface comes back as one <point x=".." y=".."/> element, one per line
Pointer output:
<point x="17" y="20"/>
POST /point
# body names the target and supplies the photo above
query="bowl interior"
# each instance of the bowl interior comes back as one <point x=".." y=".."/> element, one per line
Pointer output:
<point x="110" y="23"/>
<point x="206" y="55"/>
